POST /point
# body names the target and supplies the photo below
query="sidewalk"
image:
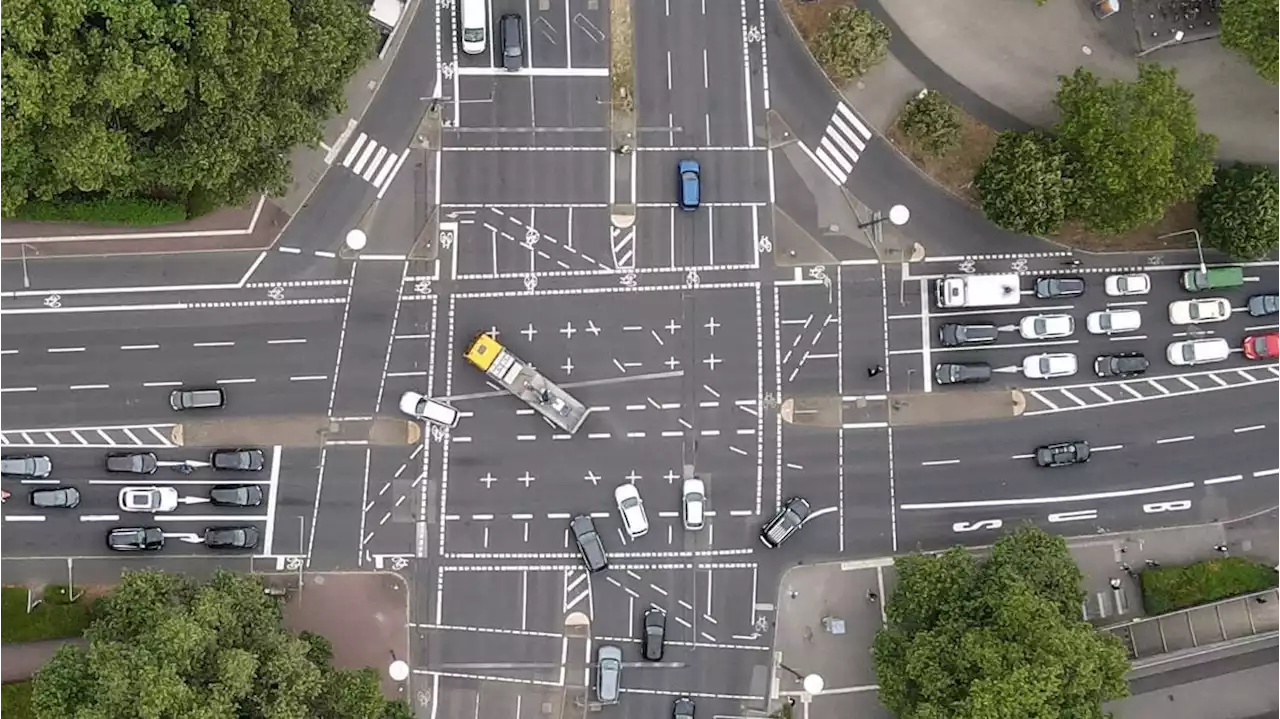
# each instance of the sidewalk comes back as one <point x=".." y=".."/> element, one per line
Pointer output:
<point x="19" y="662"/>
<point x="1000" y="61"/>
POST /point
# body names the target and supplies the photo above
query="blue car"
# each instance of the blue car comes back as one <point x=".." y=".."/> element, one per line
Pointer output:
<point x="690" y="184"/>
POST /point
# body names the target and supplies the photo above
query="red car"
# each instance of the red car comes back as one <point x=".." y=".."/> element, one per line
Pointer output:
<point x="1262" y="346"/>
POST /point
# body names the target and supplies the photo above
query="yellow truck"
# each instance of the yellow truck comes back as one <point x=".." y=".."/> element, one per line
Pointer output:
<point x="516" y="376"/>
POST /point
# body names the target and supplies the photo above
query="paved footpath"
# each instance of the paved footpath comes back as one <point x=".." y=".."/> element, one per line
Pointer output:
<point x="18" y="662"/>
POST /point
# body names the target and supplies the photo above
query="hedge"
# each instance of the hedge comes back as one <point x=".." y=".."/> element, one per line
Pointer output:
<point x="105" y="211"/>
<point x="1168" y="589"/>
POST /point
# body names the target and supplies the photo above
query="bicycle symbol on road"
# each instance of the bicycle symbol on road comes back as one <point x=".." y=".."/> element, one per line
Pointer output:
<point x="819" y="272"/>
<point x="530" y="282"/>
<point x="1019" y="265"/>
<point x="967" y="266"/>
<point x="754" y="34"/>
<point x="398" y="563"/>
<point x="446" y="239"/>
<point x="53" y="301"/>
<point x="422" y="287"/>
<point x="1155" y="260"/>
<point x="437" y="433"/>
<point x="293" y="564"/>
<point x="628" y="280"/>
<point x="762" y="624"/>
<point x="531" y="238"/>
<point x="764" y="244"/>
<point x="424" y="698"/>
<point x="770" y="402"/>
<point x="692" y="278"/>
<point x="448" y="70"/>
<point x="276" y="293"/>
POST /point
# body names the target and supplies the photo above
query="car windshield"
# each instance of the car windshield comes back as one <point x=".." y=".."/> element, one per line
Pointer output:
<point x="1188" y="352"/>
<point x="473" y="34"/>
<point x="1045" y="366"/>
<point x="690" y="176"/>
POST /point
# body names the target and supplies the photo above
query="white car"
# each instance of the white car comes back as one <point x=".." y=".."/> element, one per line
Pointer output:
<point x="1199" y="351"/>
<point x="631" y="507"/>
<point x="1046" y="327"/>
<point x="1125" y="285"/>
<point x="148" y="499"/>
<point x="1049" y="364"/>
<point x="1197" y="311"/>
<point x="1109" y="322"/>
<point x="694" y="504"/>
<point x="419" y="406"/>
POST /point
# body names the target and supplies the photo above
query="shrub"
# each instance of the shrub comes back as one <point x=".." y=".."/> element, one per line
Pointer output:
<point x="932" y="122"/>
<point x="1021" y="184"/>
<point x="1169" y="589"/>
<point x="104" y="211"/>
<point x="1249" y="27"/>
<point x="1240" y="211"/>
<point x="852" y="43"/>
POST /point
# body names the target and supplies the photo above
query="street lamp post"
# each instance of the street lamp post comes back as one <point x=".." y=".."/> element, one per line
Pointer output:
<point x="898" y="215"/>
<point x="354" y="243"/>
<point x="1177" y="38"/>
<point x="1199" y="248"/>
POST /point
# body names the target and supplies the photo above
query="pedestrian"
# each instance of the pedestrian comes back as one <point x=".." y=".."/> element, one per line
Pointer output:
<point x="1152" y="563"/>
<point x="872" y="596"/>
<point x="1123" y="550"/>
<point x="874" y="370"/>
<point x="1221" y="548"/>
<point x="1261" y="600"/>
<point x="1115" y="583"/>
<point x="1127" y="569"/>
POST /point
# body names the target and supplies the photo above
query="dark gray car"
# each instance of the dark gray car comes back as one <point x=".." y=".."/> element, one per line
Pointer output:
<point x="1263" y="305"/>
<point x="1062" y="454"/>
<point x="1124" y="364"/>
<point x="655" y="634"/>
<point x="235" y="495"/>
<point x="589" y="544"/>
<point x="962" y="372"/>
<point x="55" y="498"/>
<point x="26" y="466"/>
<point x="231" y="537"/>
<point x="132" y="462"/>
<point x="957" y="335"/>
<point x="511" y="29"/>
<point x="683" y="708"/>
<point x="1048" y="288"/>
<point x="238" y="460"/>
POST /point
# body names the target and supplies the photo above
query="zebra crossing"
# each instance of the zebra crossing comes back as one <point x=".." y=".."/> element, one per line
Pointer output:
<point x="373" y="162"/>
<point x="843" y="141"/>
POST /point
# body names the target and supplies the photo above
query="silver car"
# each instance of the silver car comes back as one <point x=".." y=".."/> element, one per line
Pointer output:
<point x="608" y="674"/>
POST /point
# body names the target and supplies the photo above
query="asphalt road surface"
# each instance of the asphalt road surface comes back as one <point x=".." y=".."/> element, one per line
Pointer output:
<point x="701" y="342"/>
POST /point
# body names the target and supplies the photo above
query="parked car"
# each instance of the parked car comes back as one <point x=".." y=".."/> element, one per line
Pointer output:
<point x="1124" y="364"/>
<point x="583" y="529"/>
<point x="1046" y="327"/>
<point x="132" y="462"/>
<point x="631" y="508"/>
<point x="1263" y="305"/>
<point x="148" y="499"/>
<point x="1138" y="283"/>
<point x="962" y="372"/>
<point x="231" y="537"/>
<point x="1198" y="311"/>
<point x="957" y="335"/>
<point x="135" y="539"/>
<point x="1051" y="287"/>
<point x="1061" y="454"/>
<point x="790" y="517"/>
<point x="26" y="466"/>
<point x="238" y="460"/>
<point x="1109" y="322"/>
<point x="235" y="495"/>
<point x="608" y="674"/>
<point x="690" y="174"/>
<point x="655" y="634"/>
<point x="1197" y="351"/>
<point x="683" y="708"/>
<point x="693" y="504"/>
<point x="1262" y="346"/>
<point x="511" y="27"/>
<point x="208" y="398"/>
<point x="1049" y="365"/>
<point x="54" y="498"/>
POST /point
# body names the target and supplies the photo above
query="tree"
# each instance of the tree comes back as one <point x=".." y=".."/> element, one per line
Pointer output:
<point x="972" y="639"/>
<point x="852" y="43"/>
<point x="1240" y="211"/>
<point x="932" y="121"/>
<point x="1251" y="28"/>
<point x="1131" y="148"/>
<point x="1021" y="185"/>
<point x="137" y="97"/>
<point x="162" y="646"/>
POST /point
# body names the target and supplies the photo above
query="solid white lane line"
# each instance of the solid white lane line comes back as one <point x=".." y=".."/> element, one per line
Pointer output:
<point x="308" y="377"/>
<point x="939" y="462"/>
<point x="1171" y="440"/>
<point x="24" y="518"/>
<point x="1266" y="472"/>
<point x="99" y="518"/>
<point x="1224" y="480"/>
<point x="90" y="386"/>
<point x="17" y="389"/>
<point x="1109" y="448"/>
<point x="1022" y="456"/>
<point x="287" y="342"/>
<point x="237" y="381"/>
<point x="8" y="352"/>
<point x="213" y="344"/>
<point x="57" y="350"/>
<point x="139" y="347"/>
<point x="161" y="384"/>
<point x="1028" y="501"/>
<point x="1251" y="428"/>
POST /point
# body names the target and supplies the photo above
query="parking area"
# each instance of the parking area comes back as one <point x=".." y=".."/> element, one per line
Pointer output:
<point x="558" y="34"/>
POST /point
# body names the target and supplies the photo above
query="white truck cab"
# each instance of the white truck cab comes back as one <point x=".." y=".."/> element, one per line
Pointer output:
<point x="954" y="291"/>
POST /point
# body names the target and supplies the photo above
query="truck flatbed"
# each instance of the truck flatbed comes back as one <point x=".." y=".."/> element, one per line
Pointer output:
<point x="519" y="378"/>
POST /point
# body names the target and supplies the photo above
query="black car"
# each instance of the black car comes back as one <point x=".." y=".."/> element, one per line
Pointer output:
<point x="962" y="372"/>
<point x="1124" y="364"/>
<point x="1062" y="454"/>
<point x="789" y="518"/>
<point x="55" y="498"/>
<point x="238" y="460"/>
<point x="1048" y="288"/>
<point x="655" y="634"/>
<point x="589" y="544"/>
<point x="956" y="335"/>
<point x="511" y="28"/>
<point x="132" y="462"/>
<point x="26" y="466"/>
<point x="1263" y="305"/>
<point x="683" y="708"/>
<point x="135" y="539"/>
<point x="230" y="537"/>
<point x="235" y="495"/>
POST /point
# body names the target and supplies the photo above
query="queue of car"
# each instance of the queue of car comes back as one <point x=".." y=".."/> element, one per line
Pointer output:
<point x="1112" y="321"/>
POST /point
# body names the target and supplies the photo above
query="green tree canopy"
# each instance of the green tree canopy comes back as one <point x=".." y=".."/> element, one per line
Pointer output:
<point x="931" y="120"/>
<point x="1240" y="211"/>
<point x="135" y="97"/>
<point x="973" y="639"/>
<point x="1020" y="184"/>
<point x="1252" y="28"/>
<point x="851" y="43"/>
<point x="164" y="647"/>
<point x="1132" y="148"/>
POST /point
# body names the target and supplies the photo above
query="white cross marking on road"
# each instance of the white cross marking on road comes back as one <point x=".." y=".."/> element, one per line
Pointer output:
<point x="672" y="363"/>
<point x="529" y="332"/>
<point x="568" y="365"/>
<point x="672" y="326"/>
<point x="593" y="478"/>
<point x="591" y="327"/>
<point x="568" y="330"/>
<point x="711" y="361"/>
<point x="712" y="325"/>
<point x="671" y="476"/>
<point x="527" y="479"/>
<point x="488" y="480"/>
<point x="632" y="477"/>
<point x="493" y="332"/>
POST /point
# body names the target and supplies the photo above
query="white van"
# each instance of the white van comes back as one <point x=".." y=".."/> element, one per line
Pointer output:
<point x="474" y="22"/>
<point x="420" y="406"/>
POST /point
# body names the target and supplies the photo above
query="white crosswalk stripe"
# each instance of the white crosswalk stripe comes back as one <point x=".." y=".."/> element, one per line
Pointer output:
<point x="373" y="162"/>
<point x="843" y="142"/>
